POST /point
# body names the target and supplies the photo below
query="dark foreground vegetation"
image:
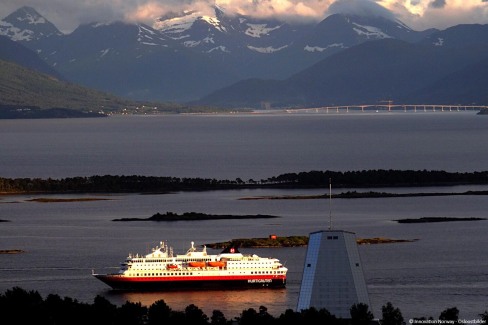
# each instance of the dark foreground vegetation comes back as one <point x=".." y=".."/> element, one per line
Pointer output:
<point x="312" y="179"/>
<point x="19" y="307"/>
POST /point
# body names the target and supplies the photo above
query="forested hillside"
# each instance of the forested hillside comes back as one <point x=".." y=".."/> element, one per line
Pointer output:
<point x="23" y="87"/>
<point x="312" y="179"/>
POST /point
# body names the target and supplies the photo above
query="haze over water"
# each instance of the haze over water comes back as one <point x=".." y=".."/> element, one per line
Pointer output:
<point x="446" y="267"/>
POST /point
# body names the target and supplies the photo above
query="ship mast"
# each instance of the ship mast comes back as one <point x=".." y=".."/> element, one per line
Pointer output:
<point x="330" y="203"/>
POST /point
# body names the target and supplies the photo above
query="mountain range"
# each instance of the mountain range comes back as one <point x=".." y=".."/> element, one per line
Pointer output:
<point x="240" y="61"/>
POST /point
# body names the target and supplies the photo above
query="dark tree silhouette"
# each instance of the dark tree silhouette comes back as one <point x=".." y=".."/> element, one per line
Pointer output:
<point x="314" y="316"/>
<point x="360" y="314"/>
<point x="484" y="316"/>
<point x="251" y="316"/>
<point x="67" y="311"/>
<point x="248" y="317"/>
<point x="218" y="318"/>
<point x="103" y="312"/>
<point x="18" y="306"/>
<point x="195" y="315"/>
<point x="158" y="313"/>
<point x="130" y="313"/>
<point x="391" y="315"/>
<point x="450" y="314"/>
<point x="290" y="317"/>
<point x="177" y="317"/>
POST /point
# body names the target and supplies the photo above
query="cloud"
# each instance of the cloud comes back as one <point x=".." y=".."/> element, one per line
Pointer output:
<point x="360" y="8"/>
<point x="418" y="14"/>
<point x="438" y="4"/>
<point x="287" y="9"/>
<point x="441" y="14"/>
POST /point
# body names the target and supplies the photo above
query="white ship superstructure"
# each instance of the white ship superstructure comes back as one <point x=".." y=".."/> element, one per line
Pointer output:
<point x="161" y="269"/>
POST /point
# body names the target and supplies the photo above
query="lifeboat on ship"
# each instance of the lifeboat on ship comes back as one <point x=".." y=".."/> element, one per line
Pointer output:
<point x="216" y="264"/>
<point x="172" y="266"/>
<point x="197" y="264"/>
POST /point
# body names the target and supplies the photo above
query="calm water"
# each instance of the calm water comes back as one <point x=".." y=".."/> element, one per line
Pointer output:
<point x="65" y="241"/>
<point x="242" y="146"/>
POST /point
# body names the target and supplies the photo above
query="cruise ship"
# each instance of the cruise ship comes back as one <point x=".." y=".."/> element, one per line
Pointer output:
<point x="162" y="270"/>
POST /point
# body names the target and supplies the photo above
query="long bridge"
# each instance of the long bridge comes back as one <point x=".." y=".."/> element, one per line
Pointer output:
<point x="389" y="107"/>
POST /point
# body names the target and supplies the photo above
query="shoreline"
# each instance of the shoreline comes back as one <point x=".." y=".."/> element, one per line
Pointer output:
<point x="367" y="179"/>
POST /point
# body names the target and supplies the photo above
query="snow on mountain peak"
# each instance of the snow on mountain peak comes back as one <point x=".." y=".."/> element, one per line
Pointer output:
<point x="26" y="24"/>
<point x="370" y="31"/>
<point x="214" y="21"/>
<point x="266" y="50"/>
<point x="148" y="36"/>
<point x="258" y="30"/>
<point x="322" y="49"/>
<point x="176" y="23"/>
<point x="30" y="16"/>
<point x="15" y="33"/>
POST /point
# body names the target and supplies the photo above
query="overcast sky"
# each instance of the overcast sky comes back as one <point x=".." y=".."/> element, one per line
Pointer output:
<point x="418" y="14"/>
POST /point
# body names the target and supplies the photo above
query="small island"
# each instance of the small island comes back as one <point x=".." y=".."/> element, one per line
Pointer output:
<point x="436" y="219"/>
<point x="11" y="251"/>
<point x="293" y="241"/>
<point x="195" y="216"/>
<point x="382" y="240"/>
<point x="59" y="200"/>
<point x="361" y="195"/>
<point x="271" y="241"/>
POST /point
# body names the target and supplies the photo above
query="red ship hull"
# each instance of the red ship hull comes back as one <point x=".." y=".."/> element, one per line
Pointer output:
<point x="119" y="282"/>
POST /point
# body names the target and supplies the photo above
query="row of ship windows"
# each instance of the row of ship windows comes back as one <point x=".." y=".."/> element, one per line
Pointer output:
<point x="161" y="274"/>
<point x="248" y="265"/>
<point x="170" y="261"/>
<point x="268" y="272"/>
<point x="233" y="267"/>
<point x="191" y="273"/>
<point x="156" y="261"/>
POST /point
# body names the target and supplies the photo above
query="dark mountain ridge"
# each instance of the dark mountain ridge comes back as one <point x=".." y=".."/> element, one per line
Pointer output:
<point x="134" y="61"/>
<point x="370" y="73"/>
<point x="42" y="91"/>
<point x="27" y="25"/>
<point x="15" y="52"/>
<point x="344" y="59"/>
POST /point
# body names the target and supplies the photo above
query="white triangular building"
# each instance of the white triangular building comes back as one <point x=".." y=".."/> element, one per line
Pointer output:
<point x="332" y="274"/>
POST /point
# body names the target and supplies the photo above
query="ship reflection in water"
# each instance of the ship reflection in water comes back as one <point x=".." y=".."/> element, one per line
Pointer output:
<point x="230" y="302"/>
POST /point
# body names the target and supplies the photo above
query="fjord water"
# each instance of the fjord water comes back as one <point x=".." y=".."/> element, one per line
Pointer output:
<point x="446" y="267"/>
<point x="251" y="146"/>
